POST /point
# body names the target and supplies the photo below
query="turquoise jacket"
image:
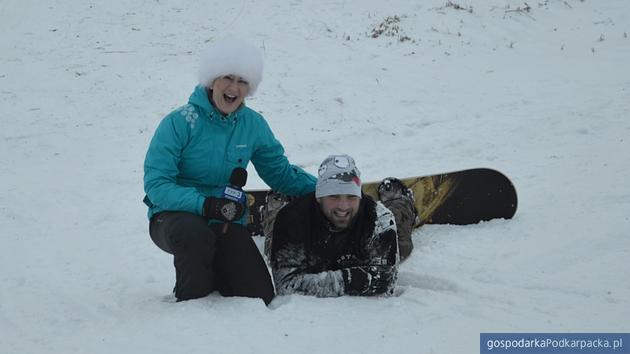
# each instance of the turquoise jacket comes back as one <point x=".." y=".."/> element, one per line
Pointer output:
<point x="195" y="148"/>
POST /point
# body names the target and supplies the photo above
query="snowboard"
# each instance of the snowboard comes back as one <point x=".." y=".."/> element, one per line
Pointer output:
<point x="459" y="198"/>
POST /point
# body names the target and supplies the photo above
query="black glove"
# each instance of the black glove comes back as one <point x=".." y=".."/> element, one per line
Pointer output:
<point x="365" y="281"/>
<point x="222" y="209"/>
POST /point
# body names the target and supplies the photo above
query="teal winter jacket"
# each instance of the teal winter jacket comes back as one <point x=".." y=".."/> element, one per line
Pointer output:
<point x="195" y="148"/>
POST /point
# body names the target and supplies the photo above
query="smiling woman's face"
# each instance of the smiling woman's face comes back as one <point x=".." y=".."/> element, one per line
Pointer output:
<point x="228" y="92"/>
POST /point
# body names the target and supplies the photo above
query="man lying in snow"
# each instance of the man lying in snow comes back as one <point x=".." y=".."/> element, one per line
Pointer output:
<point x="338" y="241"/>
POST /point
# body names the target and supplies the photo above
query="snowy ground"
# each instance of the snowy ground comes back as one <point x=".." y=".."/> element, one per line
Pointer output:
<point x="540" y="93"/>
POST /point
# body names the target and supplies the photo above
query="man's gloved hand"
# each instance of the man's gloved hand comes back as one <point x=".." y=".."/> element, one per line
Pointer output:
<point x="222" y="209"/>
<point x="365" y="281"/>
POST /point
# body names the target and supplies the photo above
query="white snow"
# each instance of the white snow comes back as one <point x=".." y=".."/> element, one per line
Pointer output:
<point x="543" y="96"/>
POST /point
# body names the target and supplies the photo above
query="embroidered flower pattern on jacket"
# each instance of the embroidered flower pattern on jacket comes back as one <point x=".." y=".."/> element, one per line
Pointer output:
<point x="188" y="111"/>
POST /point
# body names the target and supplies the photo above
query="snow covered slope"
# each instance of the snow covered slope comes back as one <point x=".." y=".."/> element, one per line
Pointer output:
<point x="539" y="91"/>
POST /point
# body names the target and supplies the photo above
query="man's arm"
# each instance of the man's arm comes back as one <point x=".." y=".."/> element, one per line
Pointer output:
<point x="292" y="277"/>
<point x="291" y="274"/>
<point x="379" y="275"/>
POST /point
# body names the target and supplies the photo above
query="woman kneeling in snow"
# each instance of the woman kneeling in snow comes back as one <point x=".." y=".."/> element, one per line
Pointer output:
<point x="194" y="152"/>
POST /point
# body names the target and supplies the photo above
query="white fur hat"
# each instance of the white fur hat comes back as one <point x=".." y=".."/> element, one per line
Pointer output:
<point x="231" y="56"/>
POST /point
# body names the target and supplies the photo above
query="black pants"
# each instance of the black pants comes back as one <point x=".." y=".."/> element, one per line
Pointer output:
<point x="208" y="260"/>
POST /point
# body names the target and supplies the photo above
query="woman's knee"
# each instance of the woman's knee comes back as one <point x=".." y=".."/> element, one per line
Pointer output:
<point x="187" y="232"/>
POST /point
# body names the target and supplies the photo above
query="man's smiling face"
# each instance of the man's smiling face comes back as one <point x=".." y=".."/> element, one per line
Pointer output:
<point x="340" y="210"/>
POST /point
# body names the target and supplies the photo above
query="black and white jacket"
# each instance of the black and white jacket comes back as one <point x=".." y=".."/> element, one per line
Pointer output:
<point x="308" y="258"/>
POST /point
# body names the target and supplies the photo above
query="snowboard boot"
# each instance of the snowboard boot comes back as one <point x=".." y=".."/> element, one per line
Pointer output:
<point x="274" y="201"/>
<point x="401" y="202"/>
<point x="392" y="188"/>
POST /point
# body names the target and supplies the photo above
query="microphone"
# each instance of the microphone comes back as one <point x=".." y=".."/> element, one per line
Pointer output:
<point x="234" y="191"/>
<point x="238" y="177"/>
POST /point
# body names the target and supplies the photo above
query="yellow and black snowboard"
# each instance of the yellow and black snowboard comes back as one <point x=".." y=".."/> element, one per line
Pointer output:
<point x="460" y="198"/>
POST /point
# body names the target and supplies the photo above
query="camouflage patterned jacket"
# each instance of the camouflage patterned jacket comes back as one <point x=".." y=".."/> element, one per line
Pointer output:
<point x="308" y="258"/>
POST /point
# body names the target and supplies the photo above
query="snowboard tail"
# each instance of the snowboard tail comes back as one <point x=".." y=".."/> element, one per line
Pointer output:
<point x="460" y="198"/>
